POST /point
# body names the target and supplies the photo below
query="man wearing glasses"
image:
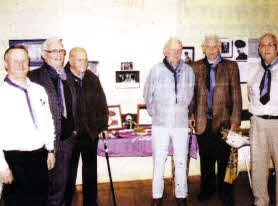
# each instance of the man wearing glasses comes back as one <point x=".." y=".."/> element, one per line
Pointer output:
<point x="262" y="91"/>
<point x="52" y="77"/>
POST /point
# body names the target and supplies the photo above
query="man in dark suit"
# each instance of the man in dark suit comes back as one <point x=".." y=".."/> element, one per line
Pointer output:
<point x="216" y="103"/>
<point x="52" y="77"/>
<point x="91" y="114"/>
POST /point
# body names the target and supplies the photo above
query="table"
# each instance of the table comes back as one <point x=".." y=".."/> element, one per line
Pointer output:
<point x="130" y="157"/>
<point x="125" y="143"/>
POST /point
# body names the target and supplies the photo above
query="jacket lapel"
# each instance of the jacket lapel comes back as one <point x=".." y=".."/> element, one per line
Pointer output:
<point x="51" y="92"/>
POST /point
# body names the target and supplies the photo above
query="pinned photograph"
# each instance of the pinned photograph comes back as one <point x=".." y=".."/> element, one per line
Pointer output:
<point x="127" y="79"/>
<point x="242" y="49"/>
<point x="126" y="65"/>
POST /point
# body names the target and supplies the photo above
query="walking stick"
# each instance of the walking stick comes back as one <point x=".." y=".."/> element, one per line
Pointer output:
<point x="109" y="170"/>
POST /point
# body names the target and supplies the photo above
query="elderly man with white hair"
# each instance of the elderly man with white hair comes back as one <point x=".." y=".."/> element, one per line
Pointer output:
<point x="53" y="78"/>
<point x="168" y="92"/>
<point x="216" y="104"/>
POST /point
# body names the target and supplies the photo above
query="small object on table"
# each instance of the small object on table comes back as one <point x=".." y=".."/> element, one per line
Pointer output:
<point x="139" y="130"/>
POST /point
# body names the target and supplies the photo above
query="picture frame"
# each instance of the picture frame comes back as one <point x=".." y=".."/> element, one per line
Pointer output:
<point x="244" y="94"/>
<point x="115" y="117"/>
<point x="34" y="49"/>
<point x="93" y="67"/>
<point x="227" y="47"/>
<point x="126" y="65"/>
<point x="143" y="118"/>
<point x="127" y="79"/>
<point x="129" y="120"/>
<point x="188" y="54"/>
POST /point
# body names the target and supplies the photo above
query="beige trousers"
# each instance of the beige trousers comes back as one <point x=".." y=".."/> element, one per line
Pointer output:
<point x="264" y="146"/>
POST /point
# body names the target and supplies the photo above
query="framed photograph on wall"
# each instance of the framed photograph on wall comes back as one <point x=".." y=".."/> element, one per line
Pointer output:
<point x="127" y="79"/>
<point x="226" y="48"/>
<point x="93" y="66"/>
<point x="187" y="54"/>
<point x="115" y="117"/>
<point x="143" y="118"/>
<point x="34" y="49"/>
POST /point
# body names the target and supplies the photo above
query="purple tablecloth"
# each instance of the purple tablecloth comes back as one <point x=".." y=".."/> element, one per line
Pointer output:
<point x="128" y="144"/>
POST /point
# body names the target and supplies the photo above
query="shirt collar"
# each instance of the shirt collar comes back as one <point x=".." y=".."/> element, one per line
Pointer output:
<point x="27" y="85"/>
<point x="271" y="62"/>
<point x="54" y="73"/>
<point x="78" y="76"/>
<point x="178" y="65"/>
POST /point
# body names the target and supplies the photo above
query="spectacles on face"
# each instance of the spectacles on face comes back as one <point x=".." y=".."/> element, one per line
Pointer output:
<point x="56" y="51"/>
<point x="263" y="46"/>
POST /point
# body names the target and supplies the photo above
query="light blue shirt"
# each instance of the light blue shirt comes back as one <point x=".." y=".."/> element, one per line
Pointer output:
<point x="160" y="97"/>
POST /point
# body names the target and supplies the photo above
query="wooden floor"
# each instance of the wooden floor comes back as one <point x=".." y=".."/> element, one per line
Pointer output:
<point x="138" y="193"/>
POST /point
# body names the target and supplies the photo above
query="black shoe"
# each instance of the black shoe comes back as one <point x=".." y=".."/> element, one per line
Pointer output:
<point x="157" y="202"/>
<point x="205" y="195"/>
<point x="227" y="200"/>
<point x="181" y="201"/>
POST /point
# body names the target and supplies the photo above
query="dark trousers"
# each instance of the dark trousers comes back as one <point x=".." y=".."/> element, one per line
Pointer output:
<point x="58" y="176"/>
<point x="213" y="149"/>
<point x="88" y="150"/>
<point x="30" y="185"/>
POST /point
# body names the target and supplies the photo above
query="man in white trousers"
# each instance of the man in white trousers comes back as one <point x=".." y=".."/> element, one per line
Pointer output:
<point x="168" y="92"/>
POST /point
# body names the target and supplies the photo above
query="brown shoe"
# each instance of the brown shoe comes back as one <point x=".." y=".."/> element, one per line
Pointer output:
<point x="181" y="201"/>
<point x="157" y="202"/>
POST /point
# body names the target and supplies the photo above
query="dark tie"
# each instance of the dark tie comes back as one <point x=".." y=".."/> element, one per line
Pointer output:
<point x="265" y="84"/>
<point x="211" y="81"/>
<point x="27" y="98"/>
<point x="61" y="96"/>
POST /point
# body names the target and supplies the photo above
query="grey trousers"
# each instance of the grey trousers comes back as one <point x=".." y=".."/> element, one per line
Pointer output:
<point x="264" y="146"/>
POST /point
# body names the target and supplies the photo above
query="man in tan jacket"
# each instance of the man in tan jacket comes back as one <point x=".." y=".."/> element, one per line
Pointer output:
<point x="217" y="103"/>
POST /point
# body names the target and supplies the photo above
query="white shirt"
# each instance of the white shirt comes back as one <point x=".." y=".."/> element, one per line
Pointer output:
<point x="18" y="131"/>
<point x="255" y="75"/>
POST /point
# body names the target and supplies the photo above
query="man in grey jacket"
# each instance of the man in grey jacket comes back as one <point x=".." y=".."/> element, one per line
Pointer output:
<point x="168" y="92"/>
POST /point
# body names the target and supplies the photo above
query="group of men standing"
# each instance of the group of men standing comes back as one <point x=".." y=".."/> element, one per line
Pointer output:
<point x="51" y="113"/>
<point x="206" y="96"/>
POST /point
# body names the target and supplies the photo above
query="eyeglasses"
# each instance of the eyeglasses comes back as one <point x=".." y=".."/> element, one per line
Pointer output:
<point x="263" y="46"/>
<point x="56" y="51"/>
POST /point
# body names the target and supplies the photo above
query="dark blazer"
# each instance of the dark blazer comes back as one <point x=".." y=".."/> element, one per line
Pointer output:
<point x="227" y="100"/>
<point x="42" y="77"/>
<point x="92" y="111"/>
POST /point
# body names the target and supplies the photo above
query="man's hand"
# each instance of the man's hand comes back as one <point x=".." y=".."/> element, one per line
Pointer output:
<point x="6" y="176"/>
<point x="192" y="123"/>
<point x="51" y="160"/>
<point x="235" y="127"/>
<point x="105" y="133"/>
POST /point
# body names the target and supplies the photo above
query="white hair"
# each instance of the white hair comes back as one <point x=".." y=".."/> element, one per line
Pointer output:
<point x="214" y="38"/>
<point x="48" y="41"/>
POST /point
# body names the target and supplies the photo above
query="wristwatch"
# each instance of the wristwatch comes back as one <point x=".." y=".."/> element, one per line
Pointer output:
<point x="51" y="151"/>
